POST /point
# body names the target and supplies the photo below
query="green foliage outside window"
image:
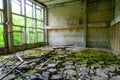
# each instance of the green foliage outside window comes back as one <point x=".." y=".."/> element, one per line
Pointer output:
<point x="17" y="38"/>
<point x="31" y="38"/>
<point x="1" y="37"/>
<point x="39" y="37"/>
<point x="39" y="24"/>
<point x="18" y="20"/>
<point x="29" y="22"/>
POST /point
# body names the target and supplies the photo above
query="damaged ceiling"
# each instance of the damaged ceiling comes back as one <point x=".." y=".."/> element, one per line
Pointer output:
<point x="55" y="3"/>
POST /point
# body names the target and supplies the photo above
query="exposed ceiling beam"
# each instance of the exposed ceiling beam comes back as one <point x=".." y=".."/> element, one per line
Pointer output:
<point x="56" y="2"/>
<point x="40" y="3"/>
<point x="47" y="1"/>
<point x="65" y="3"/>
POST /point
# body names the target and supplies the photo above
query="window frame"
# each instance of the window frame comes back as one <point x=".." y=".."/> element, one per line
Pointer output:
<point x="34" y="20"/>
<point x="2" y="24"/>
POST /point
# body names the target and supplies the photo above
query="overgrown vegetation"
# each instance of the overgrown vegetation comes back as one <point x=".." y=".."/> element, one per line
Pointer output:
<point x="94" y="56"/>
<point x="2" y="59"/>
<point x="32" y="71"/>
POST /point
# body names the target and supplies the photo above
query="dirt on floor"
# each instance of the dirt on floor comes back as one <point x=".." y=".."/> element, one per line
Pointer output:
<point x="60" y="63"/>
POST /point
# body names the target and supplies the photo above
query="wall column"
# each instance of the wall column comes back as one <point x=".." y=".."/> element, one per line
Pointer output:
<point x="85" y="20"/>
<point x="8" y="25"/>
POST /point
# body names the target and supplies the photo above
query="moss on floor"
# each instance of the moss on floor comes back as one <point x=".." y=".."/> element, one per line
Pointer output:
<point x="33" y="53"/>
<point x="31" y="71"/>
<point x="2" y="59"/>
<point x="94" y="56"/>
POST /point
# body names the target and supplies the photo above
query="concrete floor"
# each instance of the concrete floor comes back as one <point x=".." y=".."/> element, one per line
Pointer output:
<point x="50" y="63"/>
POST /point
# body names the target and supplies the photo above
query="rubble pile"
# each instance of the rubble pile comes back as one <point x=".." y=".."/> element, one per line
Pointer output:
<point x="57" y="63"/>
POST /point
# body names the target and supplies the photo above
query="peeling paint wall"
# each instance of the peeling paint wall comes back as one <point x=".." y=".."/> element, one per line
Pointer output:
<point x="117" y="10"/>
<point x="115" y="28"/>
<point x="66" y="37"/>
<point x="100" y="11"/>
<point x="99" y="15"/>
<point x="115" y="37"/>
<point x="66" y="16"/>
<point x="69" y="23"/>
<point x="65" y="25"/>
<point x="98" y="37"/>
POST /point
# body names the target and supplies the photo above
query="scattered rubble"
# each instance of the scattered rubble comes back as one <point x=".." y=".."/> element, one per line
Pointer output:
<point x="58" y="63"/>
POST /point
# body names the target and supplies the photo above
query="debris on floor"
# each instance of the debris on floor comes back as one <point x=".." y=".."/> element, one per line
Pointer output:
<point x="60" y="63"/>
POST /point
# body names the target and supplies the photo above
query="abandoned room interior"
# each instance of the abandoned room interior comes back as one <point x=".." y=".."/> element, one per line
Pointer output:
<point x="59" y="39"/>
